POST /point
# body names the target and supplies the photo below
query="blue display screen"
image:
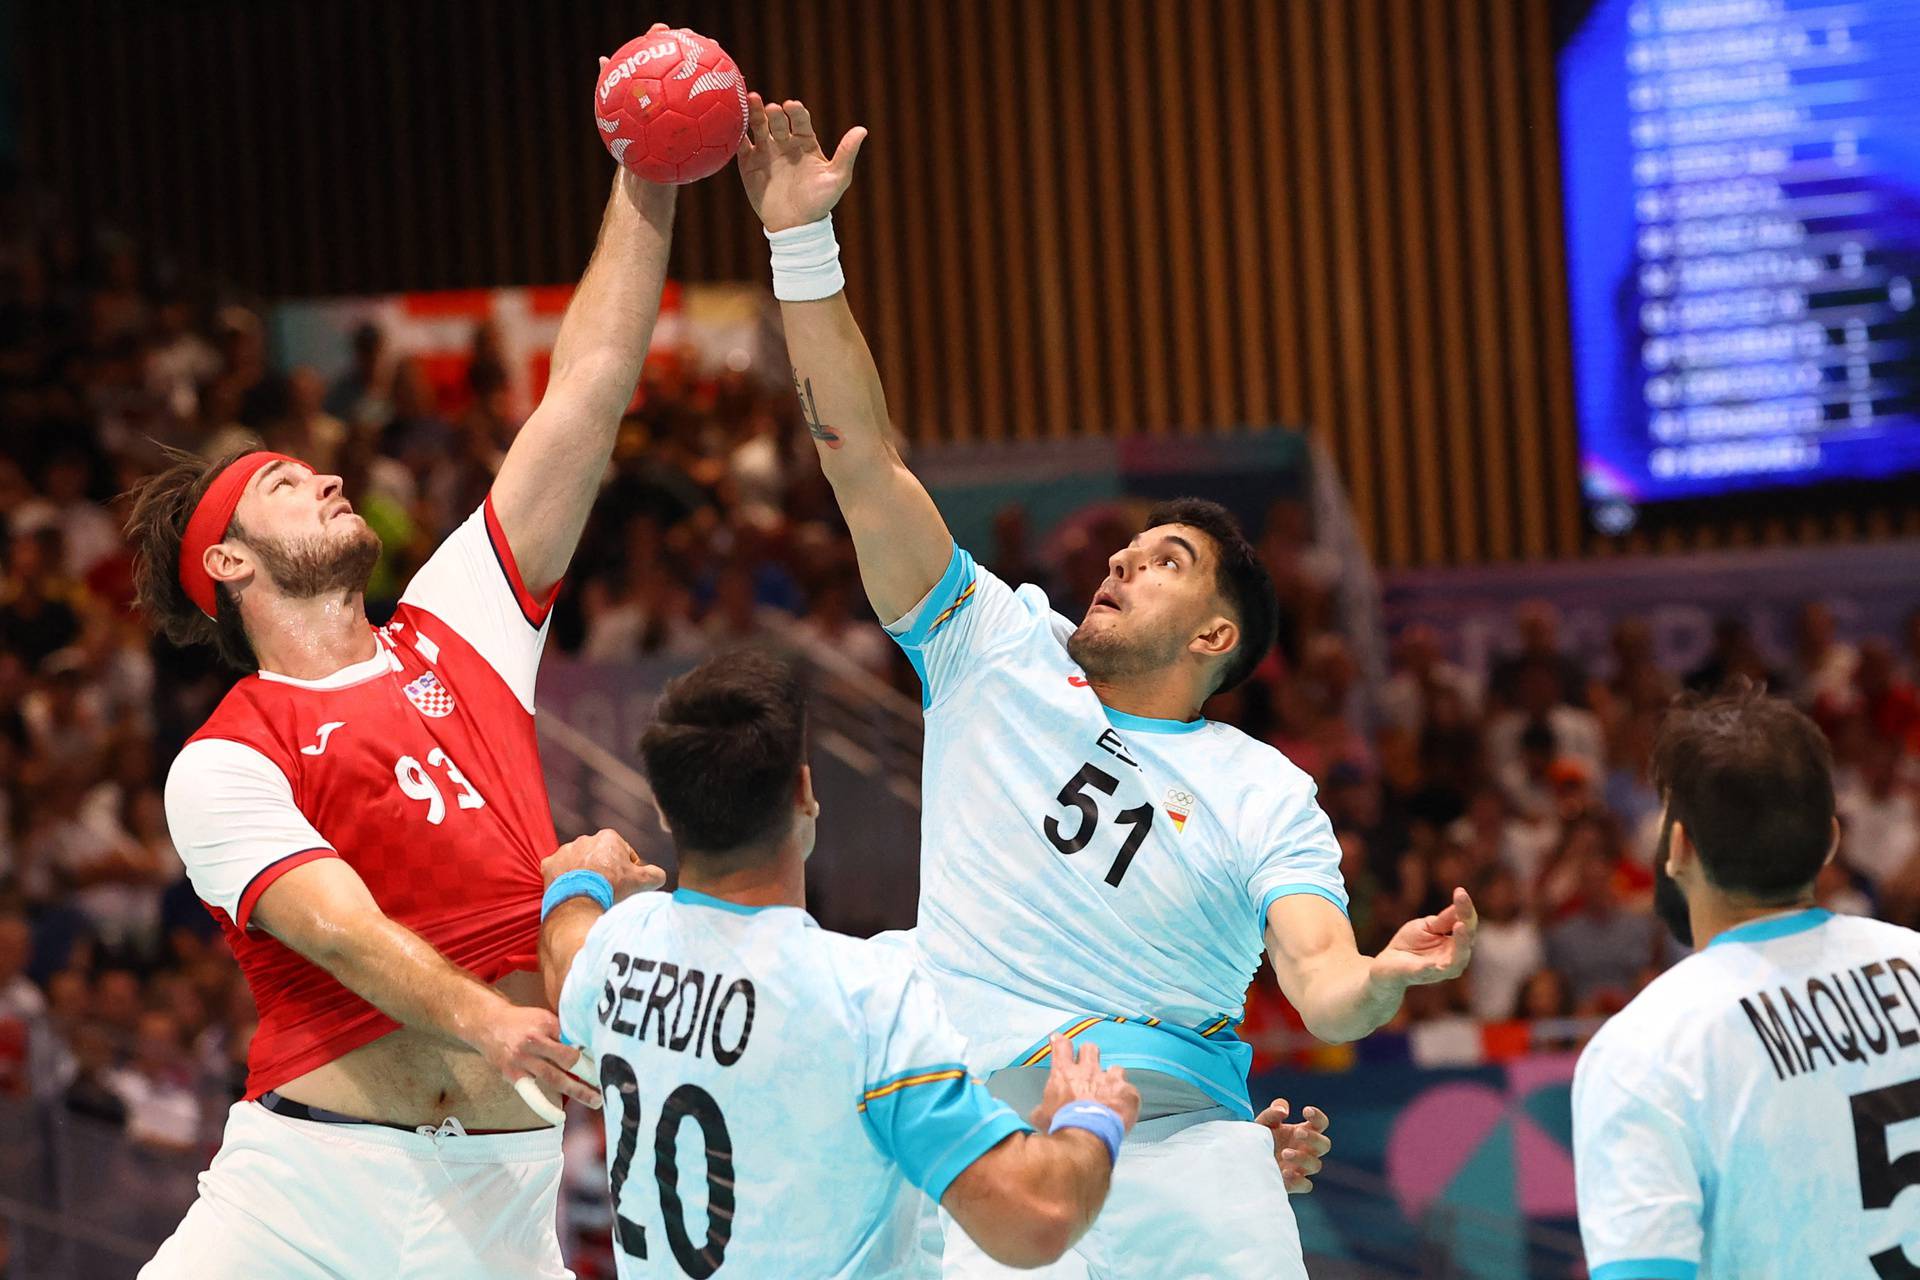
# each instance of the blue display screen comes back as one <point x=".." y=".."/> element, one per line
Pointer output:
<point x="1742" y="199"/>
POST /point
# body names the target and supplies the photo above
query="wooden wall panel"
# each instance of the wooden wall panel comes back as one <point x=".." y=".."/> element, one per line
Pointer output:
<point x="1073" y="216"/>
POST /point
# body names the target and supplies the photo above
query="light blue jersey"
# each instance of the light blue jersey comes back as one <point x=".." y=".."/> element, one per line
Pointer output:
<point x="1753" y="1112"/>
<point x="771" y="1089"/>
<point x="1086" y="870"/>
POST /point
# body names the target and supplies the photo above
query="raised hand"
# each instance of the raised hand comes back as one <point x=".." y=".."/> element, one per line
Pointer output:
<point x="789" y="179"/>
<point x="1432" y="948"/>
<point x="1298" y="1146"/>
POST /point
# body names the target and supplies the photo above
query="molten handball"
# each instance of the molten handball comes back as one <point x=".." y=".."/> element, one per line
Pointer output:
<point x="671" y="106"/>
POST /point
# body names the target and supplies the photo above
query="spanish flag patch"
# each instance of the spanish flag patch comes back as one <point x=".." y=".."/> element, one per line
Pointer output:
<point x="1180" y="805"/>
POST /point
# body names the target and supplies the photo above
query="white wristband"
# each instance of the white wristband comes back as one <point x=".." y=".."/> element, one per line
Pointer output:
<point x="806" y="262"/>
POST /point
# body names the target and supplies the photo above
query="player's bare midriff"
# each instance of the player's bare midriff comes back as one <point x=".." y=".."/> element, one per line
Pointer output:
<point x="410" y="1077"/>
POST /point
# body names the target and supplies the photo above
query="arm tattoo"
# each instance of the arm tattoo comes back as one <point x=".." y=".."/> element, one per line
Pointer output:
<point x="810" y="411"/>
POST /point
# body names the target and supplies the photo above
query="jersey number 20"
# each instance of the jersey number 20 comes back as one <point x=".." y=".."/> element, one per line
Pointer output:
<point x="689" y="1100"/>
<point x="1074" y="796"/>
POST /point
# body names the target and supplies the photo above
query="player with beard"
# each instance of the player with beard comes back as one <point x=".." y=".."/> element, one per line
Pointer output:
<point x="365" y="816"/>
<point x="1098" y="859"/>
<point x="1742" y="1116"/>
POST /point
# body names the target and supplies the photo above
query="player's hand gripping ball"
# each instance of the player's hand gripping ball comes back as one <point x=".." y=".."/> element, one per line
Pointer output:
<point x="671" y="106"/>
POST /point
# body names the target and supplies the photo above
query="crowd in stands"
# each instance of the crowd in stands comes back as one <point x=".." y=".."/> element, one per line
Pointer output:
<point x="118" y="1000"/>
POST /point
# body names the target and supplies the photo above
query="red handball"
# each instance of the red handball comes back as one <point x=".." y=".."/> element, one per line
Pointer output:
<point x="671" y="106"/>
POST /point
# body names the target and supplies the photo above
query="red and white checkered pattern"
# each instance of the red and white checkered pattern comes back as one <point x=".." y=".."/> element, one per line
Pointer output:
<point x="433" y="698"/>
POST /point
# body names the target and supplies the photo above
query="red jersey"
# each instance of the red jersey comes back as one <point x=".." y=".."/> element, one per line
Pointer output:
<point x="419" y="767"/>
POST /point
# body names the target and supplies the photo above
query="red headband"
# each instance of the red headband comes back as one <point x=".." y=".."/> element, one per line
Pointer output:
<point x="209" y="522"/>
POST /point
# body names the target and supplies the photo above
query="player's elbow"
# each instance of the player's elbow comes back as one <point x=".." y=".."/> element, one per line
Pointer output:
<point x="1331" y="1030"/>
<point x="1019" y="1203"/>
<point x="1036" y="1232"/>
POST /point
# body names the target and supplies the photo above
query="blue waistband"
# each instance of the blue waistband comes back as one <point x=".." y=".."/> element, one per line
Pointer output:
<point x="1210" y="1058"/>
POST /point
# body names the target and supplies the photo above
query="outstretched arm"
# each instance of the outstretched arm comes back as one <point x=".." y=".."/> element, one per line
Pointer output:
<point x="323" y="910"/>
<point x="902" y="542"/>
<point x="548" y="481"/>
<point x="1343" y="995"/>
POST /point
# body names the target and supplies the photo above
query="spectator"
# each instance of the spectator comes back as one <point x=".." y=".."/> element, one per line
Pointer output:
<point x="1822" y="664"/>
<point x="1546" y="1002"/>
<point x="831" y="623"/>
<point x="1627" y="790"/>
<point x="1881" y="824"/>
<point x="156" y="1087"/>
<point x="1319" y="711"/>
<point x="1538" y="703"/>
<point x="1538" y="624"/>
<point x="1013" y="559"/>
<point x="88" y="534"/>
<point x="119" y="304"/>
<point x="1420" y="675"/>
<point x="306" y="430"/>
<point x="1506" y="952"/>
<point x="1351" y="798"/>
<point x="757" y="472"/>
<point x="39" y="610"/>
<point x="221" y="1048"/>
<point x="66" y="725"/>
<point x="1528" y="783"/>
<point x="1544" y="995"/>
<point x="116" y="1001"/>
<point x="1450" y="741"/>
<point x="1365" y="893"/>
<point x="645" y="615"/>
<point x="91" y="1091"/>
<point x="23" y="1010"/>
<point x="82" y="851"/>
<point x="1601" y="949"/>
<point x="1734" y="656"/>
<point x="1637" y="683"/>
<point x="736" y="616"/>
<point x="132" y="857"/>
<point x="1885" y="697"/>
<point x="359" y="396"/>
<point x="1306" y="573"/>
<point x="1561" y="889"/>
<point x="178" y="361"/>
<point x="418" y="435"/>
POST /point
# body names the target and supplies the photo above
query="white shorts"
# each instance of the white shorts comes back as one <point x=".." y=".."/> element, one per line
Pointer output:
<point x="298" y="1199"/>
<point x="1199" y="1200"/>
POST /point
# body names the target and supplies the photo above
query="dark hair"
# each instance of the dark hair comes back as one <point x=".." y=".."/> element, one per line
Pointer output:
<point x="162" y="506"/>
<point x="1538" y="735"/>
<point x="1238" y="576"/>
<point x="724" y="750"/>
<point x="1751" y="779"/>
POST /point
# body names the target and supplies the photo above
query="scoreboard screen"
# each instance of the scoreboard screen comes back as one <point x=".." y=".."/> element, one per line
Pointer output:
<point x="1741" y="181"/>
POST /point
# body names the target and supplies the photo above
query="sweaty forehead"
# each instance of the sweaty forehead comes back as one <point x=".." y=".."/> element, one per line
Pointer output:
<point x="261" y="483"/>
<point x="274" y="470"/>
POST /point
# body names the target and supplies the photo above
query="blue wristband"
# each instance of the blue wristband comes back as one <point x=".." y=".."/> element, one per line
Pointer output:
<point x="578" y="883"/>
<point x="1097" y="1118"/>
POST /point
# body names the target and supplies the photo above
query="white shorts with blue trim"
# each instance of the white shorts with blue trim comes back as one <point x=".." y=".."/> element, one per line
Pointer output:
<point x="1197" y="1196"/>
<point x="302" y="1200"/>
